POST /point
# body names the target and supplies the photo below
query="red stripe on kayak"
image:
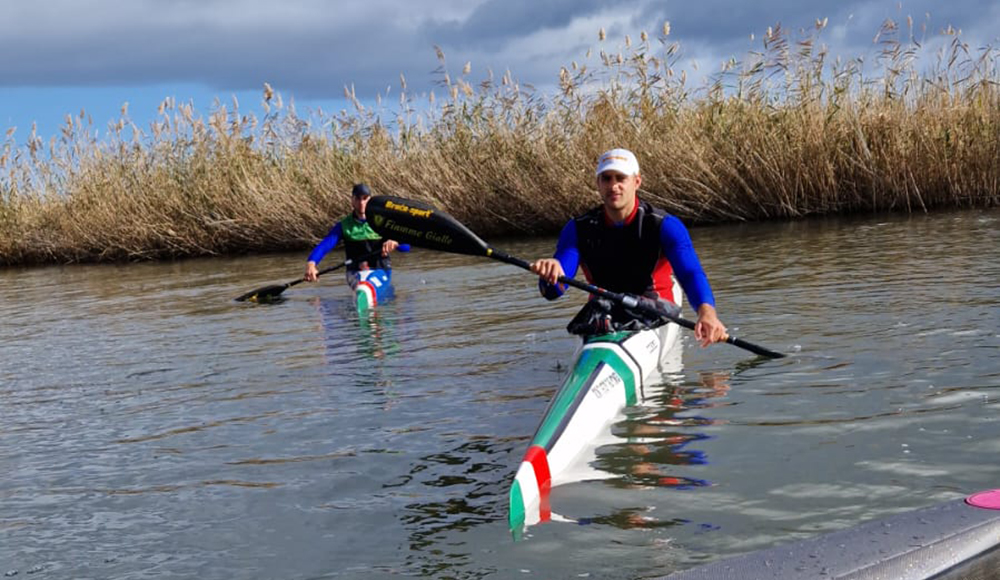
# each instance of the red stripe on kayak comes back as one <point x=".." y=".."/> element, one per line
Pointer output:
<point x="540" y="463"/>
<point x="368" y="285"/>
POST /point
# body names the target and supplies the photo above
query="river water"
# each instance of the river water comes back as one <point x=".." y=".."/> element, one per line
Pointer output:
<point x="150" y="426"/>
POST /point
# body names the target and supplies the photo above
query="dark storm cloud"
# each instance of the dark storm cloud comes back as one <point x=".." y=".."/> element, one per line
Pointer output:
<point x="314" y="58"/>
<point x="496" y="22"/>
<point x="314" y="48"/>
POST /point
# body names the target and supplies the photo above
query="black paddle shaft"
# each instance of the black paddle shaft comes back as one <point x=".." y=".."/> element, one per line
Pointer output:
<point x="275" y="290"/>
<point x="423" y="225"/>
<point x="634" y="302"/>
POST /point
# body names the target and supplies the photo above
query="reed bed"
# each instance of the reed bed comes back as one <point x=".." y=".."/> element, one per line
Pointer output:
<point x="782" y="133"/>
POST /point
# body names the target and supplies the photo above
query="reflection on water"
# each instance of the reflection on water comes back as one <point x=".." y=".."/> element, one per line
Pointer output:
<point x="151" y="426"/>
<point x="668" y="433"/>
<point x="469" y="479"/>
<point x="374" y="337"/>
<point x="659" y="442"/>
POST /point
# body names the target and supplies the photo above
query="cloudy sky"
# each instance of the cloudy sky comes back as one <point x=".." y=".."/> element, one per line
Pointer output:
<point x="61" y="56"/>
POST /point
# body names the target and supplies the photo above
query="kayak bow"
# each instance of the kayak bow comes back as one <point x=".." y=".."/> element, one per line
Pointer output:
<point x="610" y="372"/>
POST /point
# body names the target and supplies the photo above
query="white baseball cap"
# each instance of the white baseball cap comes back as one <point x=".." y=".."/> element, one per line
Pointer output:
<point x="620" y="160"/>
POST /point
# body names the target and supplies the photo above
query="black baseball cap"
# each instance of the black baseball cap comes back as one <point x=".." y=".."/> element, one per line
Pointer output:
<point x="360" y="190"/>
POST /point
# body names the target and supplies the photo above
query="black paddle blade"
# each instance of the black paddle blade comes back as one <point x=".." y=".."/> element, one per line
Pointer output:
<point x="419" y="224"/>
<point x="263" y="295"/>
<point x="754" y="348"/>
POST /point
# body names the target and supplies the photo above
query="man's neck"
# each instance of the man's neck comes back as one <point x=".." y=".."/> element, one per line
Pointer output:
<point x="622" y="215"/>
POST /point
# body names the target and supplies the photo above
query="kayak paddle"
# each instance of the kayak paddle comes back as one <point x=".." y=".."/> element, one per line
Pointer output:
<point x="422" y="225"/>
<point x="272" y="292"/>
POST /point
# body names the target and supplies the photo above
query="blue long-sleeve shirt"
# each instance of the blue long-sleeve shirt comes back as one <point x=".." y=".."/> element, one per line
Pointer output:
<point x="327" y="243"/>
<point x="675" y="244"/>
<point x="357" y="230"/>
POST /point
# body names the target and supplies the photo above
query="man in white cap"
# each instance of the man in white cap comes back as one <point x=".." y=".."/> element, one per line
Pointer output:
<point x="626" y="245"/>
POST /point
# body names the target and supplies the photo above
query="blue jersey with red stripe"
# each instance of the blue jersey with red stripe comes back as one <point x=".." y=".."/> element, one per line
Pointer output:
<point x="636" y="256"/>
<point x="360" y="241"/>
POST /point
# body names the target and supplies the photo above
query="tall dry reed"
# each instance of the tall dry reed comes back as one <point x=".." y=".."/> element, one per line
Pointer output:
<point x="780" y="134"/>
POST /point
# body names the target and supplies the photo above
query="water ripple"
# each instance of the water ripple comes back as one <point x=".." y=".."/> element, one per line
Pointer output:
<point x="149" y="425"/>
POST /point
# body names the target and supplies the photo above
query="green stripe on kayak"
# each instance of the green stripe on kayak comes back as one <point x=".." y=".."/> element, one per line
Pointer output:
<point x="613" y="337"/>
<point x="515" y="515"/>
<point x="575" y="383"/>
<point x="361" y="300"/>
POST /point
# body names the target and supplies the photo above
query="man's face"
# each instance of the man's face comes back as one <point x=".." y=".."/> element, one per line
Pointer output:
<point x="618" y="190"/>
<point x="359" y="203"/>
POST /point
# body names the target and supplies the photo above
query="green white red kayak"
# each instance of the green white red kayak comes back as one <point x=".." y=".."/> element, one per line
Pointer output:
<point x="370" y="288"/>
<point x="610" y="372"/>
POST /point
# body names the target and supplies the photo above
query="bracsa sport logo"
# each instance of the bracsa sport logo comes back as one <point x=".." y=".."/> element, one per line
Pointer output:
<point x="379" y="220"/>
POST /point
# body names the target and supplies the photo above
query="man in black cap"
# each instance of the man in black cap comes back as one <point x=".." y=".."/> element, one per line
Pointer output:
<point x="365" y="249"/>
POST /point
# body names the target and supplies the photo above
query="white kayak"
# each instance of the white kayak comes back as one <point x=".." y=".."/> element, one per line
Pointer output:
<point x="609" y="373"/>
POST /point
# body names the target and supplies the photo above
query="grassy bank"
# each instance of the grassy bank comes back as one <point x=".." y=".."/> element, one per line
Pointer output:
<point x="782" y="133"/>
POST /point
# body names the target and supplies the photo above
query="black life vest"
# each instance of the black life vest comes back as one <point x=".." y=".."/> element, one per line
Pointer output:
<point x="356" y="250"/>
<point x="362" y="245"/>
<point x="621" y="258"/>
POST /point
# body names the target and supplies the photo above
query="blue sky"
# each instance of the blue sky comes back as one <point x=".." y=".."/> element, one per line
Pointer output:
<point x="64" y="56"/>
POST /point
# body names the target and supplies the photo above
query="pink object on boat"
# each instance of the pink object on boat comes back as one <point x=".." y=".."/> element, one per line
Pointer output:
<point x="985" y="499"/>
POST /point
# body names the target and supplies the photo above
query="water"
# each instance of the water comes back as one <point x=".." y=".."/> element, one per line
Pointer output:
<point x="152" y="427"/>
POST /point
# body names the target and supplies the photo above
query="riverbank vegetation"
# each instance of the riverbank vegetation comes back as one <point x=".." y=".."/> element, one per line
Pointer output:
<point x="782" y="133"/>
